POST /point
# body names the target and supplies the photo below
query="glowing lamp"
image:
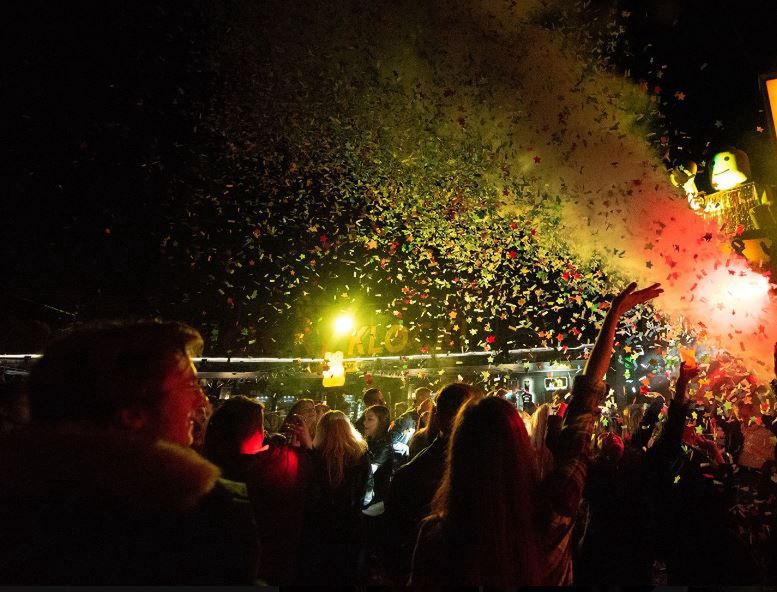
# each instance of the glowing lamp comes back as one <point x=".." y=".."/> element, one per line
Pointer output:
<point x="729" y="169"/>
<point x="343" y="324"/>
<point x="334" y="371"/>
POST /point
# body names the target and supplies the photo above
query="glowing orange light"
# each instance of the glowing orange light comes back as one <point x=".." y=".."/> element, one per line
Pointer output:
<point x="771" y="97"/>
<point x="733" y="298"/>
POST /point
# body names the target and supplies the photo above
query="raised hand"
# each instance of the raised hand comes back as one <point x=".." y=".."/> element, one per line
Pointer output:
<point x="687" y="373"/>
<point x="631" y="297"/>
<point x="299" y="434"/>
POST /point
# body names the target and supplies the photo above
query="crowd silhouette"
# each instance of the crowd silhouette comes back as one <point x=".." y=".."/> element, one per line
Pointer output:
<point x="116" y="469"/>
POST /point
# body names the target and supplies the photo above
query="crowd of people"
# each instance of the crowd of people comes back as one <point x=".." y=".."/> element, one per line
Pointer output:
<point x="117" y="470"/>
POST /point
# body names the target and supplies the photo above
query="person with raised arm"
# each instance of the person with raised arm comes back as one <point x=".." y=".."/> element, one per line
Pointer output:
<point x="563" y="488"/>
<point x="493" y="521"/>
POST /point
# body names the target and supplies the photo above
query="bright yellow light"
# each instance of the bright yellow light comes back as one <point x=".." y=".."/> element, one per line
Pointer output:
<point x="343" y="324"/>
<point x="334" y="374"/>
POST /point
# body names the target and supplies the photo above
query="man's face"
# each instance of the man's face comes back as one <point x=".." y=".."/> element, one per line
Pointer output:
<point x="181" y="398"/>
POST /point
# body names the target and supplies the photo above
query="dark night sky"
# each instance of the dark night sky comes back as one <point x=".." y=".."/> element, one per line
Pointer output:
<point x="714" y="52"/>
<point x="100" y="117"/>
<point x="102" y="103"/>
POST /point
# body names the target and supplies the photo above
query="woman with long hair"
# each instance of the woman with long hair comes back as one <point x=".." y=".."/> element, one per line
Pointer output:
<point x="376" y="427"/>
<point x="343" y="467"/>
<point x="482" y="530"/>
<point x="539" y="433"/>
<point x="339" y="447"/>
<point x="493" y="521"/>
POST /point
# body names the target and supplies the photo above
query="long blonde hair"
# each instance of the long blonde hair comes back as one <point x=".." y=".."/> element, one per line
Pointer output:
<point x="632" y="417"/>
<point x="539" y="426"/>
<point x="538" y="435"/>
<point x="339" y="444"/>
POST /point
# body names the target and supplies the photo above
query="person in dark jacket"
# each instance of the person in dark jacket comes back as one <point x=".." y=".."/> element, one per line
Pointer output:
<point x="695" y="533"/>
<point x="406" y="424"/>
<point x="617" y="547"/>
<point x="342" y="468"/>
<point x="102" y="487"/>
<point x="493" y="523"/>
<point x="278" y="480"/>
<point x="410" y="496"/>
<point x="376" y="426"/>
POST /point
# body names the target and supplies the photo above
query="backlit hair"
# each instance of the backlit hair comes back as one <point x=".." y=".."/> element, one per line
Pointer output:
<point x="486" y="501"/>
<point x="539" y="426"/>
<point x="339" y="445"/>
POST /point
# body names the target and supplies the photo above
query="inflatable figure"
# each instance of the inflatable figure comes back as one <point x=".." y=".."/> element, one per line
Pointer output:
<point x="729" y="169"/>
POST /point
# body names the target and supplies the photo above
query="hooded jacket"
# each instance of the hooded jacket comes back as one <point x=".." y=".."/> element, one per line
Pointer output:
<point x="97" y="507"/>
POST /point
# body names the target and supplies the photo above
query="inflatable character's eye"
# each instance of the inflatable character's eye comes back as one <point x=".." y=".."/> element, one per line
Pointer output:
<point x="726" y="158"/>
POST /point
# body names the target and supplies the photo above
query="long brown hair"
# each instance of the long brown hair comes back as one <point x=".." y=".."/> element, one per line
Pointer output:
<point x="339" y="445"/>
<point x="486" y="500"/>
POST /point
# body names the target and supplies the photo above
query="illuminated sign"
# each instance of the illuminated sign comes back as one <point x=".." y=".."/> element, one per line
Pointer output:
<point x="556" y="383"/>
<point x="372" y="340"/>
<point x="769" y="87"/>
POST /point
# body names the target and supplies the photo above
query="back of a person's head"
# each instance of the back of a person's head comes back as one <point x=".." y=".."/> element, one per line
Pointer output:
<point x="610" y="447"/>
<point x="421" y="394"/>
<point x="448" y="402"/>
<point x="339" y="445"/>
<point x="304" y="409"/>
<point x="539" y="426"/>
<point x="657" y="402"/>
<point x="372" y="396"/>
<point x="486" y="500"/>
<point x="300" y="405"/>
<point x="236" y="427"/>
<point x="92" y="373"/>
